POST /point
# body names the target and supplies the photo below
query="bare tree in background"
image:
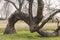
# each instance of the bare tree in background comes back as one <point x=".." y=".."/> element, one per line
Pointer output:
<point x="4" y="11"/>
<point x="29" y="19"/>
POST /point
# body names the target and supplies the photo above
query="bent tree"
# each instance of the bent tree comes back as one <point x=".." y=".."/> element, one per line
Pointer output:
<point x="29" y="19"/>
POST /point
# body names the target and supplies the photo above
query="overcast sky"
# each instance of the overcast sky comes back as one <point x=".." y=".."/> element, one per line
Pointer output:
<point x="53" y="2"/>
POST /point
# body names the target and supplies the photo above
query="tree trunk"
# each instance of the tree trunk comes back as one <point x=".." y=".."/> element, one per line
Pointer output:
<point x="39" y="16"/>
<point x="34" y="22"/>
<point x="10" y="26"/>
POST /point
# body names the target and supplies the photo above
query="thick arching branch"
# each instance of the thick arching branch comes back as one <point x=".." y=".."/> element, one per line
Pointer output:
<point x="46" y="20"/>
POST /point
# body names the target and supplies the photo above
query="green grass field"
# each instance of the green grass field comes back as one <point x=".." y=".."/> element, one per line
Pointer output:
<point x="23" y="33"/>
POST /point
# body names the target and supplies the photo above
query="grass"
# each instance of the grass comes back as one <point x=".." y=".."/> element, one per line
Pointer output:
<point x="24" y="34"/>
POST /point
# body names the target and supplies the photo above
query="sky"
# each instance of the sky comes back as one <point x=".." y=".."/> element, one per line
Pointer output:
<point x="25" y="6"/>
<point x="54" y="3"/>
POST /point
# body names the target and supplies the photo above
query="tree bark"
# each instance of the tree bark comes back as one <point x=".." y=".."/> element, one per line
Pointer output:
<point x="47" y="34"/>
<point x="10" y="26"/>
<point x="39" y="16"/>
<point x="10" y="29"/>
<point x="34" y="22"/>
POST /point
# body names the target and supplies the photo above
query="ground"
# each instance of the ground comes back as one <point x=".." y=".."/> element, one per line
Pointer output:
<point x="23" y="32"/>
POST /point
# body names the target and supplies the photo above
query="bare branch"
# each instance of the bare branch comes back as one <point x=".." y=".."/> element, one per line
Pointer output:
<point x="20" y="4"/>
<point x="30" y="11"/>
<point x="12" y="3"/>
